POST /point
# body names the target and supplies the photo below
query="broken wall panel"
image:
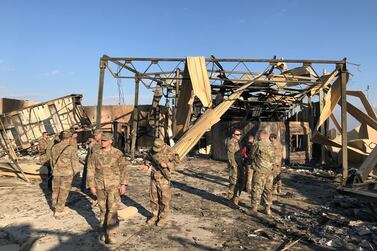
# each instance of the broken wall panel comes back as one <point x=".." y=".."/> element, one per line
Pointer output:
<point x="20" y="128"/>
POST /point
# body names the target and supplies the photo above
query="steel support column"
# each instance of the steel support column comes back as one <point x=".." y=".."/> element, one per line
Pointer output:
<point x="343" y="82"/>
<point x="102" y="67"/>
<point x="322" y="127"/>
<point x="135" y="118"/>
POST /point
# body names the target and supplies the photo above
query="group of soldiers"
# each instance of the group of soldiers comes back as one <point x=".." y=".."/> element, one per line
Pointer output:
<point x="255" y="167"/>
<point x="105" y="175"/>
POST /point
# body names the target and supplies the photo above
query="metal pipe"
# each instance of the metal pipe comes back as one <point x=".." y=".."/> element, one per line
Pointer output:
<point x="343" y="87"/>
<point x="306" y="61"/>
<point x="322" y="128"/>
<point x="102" y="66"/>
<point x="135" y="118"/>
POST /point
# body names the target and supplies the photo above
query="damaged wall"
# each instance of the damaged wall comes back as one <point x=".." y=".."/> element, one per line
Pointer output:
<point x="9" y="105"/>
<point x="21" y="128"/>
<point x="148" y="121"/>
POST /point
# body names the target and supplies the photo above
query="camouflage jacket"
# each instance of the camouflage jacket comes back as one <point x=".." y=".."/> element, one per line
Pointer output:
<point x="166" y="155"/>
<point x="278" y="150"/>
<point x="232" y="147"/>
<point x="93" y="147"/>
<point x="107" y="169"/>
<point x="264" y="157"/>
<point x="43" y="145"/>
<point x="73" y="142"/>
<point x="64" y="159"/>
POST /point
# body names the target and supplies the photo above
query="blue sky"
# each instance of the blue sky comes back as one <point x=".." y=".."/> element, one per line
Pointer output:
<point x="52" y="48"/>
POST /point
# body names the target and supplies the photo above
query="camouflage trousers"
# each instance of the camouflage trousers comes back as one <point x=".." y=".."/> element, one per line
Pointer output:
<point x="262" y="189"/>
<point x="237" y="179"/>
<point x="159" y="195"/>
<point x="277" y="178"/>
<point x="249" y="178"/>
<point x="108" y="203"/>
<point x="61" y="185"/>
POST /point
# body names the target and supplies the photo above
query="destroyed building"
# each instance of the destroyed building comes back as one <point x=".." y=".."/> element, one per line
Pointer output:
<point x="196" y="103"/>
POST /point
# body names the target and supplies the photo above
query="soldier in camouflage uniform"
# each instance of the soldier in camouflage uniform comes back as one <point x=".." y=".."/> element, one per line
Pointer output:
<point x="43" y="144"/>
<point x="65" y="163"/>
<point x="264" y="159"/>
<point x="107" y="179"/>
<point x="278" y="149"/>
<point x="161" y="160"/>
<point x="44" y="149"/>
<point x="94" y="146"/>
<point x="235" y="168"/>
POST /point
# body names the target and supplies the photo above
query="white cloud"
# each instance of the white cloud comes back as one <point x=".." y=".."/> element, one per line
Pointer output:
<point x="51" y="73"/>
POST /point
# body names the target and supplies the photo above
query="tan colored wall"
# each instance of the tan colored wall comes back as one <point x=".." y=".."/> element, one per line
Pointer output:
<point x="10" y="105"/>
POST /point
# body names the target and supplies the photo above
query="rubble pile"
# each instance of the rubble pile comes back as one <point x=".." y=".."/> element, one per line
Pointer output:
<point x="344" y="222"/>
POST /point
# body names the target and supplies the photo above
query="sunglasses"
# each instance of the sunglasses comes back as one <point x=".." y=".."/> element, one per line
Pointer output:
<point x="237" y="134"/>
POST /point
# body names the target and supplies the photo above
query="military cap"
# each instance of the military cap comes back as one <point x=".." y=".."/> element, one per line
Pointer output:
<point x="97" y="131"/>
<point x="157" y="145"/>
<point x="107" y="136"/>
<point x="66" y="134"/>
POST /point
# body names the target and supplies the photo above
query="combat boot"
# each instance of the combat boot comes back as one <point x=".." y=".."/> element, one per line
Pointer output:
<point x="102" y="237"/>
<point x="236" y="200"/>
<point x="253" y="210"/>
<point x="152" y="220"/>
<point x="267" y="210"/>
<point x="111" y="239"/>
<point x="162" y="221"/>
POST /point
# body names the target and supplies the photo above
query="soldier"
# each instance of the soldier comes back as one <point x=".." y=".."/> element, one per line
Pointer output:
<point x="44" y="147"/>
<point x="94" y="146"/>
<point x="161" y="160"/>
<point x="235" y="168"/>
<point x="248" y="161"/>
<point x="73" y="141"/>
<point x="65" y="163"/>
<point x="107" y="179"/>
<point x="263" y="178"/>
<point x="278" y="149"/>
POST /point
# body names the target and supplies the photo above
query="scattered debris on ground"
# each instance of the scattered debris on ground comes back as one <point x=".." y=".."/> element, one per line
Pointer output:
<point x="308" y="215"/>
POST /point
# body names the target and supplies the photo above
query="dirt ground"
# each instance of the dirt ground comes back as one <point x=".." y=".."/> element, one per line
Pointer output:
<point x="201" y="218"/>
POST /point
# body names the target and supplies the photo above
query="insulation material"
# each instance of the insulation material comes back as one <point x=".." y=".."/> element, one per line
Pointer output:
<point x="368" y="165"/>
<point x="361" y="116"/>
<point x="364" y="100"/>
<point x="195" y="83"/>
<point x="199" y="79"/>
<point x="356" y="153"/>
<point x="324" y="81"/>
<point x="332" y="98"/>
<point x="206" y="121"/>
<point x="184" y="105"/>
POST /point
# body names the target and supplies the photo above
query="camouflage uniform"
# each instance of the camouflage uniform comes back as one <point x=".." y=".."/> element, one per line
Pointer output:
<point x="93" y="147"/>
<point x="107" y="171"/>
<point x="235" y="169"/>
<point x="43" y="145"/>
<point x="278" y="149"/>
<point x="65" y="164"/>
<point x="160" y="185"/>
<point x="263" y="178"/>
